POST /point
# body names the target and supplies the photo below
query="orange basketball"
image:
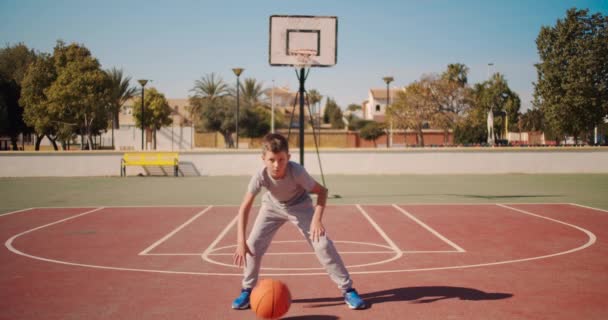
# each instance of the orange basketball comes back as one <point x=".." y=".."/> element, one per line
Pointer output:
<point x="270" y="299"/>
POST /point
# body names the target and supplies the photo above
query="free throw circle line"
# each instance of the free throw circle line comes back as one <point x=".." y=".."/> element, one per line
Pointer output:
<point x="591" y="240"/>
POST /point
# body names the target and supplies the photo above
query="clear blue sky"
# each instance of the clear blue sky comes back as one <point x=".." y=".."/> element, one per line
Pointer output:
<point x="177" y="42"/>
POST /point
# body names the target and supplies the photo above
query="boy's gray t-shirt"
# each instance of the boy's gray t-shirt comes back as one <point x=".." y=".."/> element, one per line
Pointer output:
<point x="289" y="191"/>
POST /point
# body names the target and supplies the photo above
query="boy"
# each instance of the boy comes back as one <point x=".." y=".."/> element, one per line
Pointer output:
<point x="287" y="199"/>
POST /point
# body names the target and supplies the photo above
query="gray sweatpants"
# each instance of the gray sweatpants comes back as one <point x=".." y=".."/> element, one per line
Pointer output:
<point x="268" y="222"/>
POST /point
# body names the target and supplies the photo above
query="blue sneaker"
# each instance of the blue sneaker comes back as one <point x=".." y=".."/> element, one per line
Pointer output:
<point x="353" y="300"/>
<point x="242" y="301"/>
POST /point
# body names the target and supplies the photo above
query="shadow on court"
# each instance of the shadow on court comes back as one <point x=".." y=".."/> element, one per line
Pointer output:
<point x="413" y="295"/>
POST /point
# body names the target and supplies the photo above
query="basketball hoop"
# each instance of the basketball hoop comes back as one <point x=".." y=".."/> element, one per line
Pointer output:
<point x="304" y="57"/>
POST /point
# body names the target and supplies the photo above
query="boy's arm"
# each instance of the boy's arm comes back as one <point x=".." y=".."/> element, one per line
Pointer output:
<point x="316" y="227"/>
<point x="241" y="244"/>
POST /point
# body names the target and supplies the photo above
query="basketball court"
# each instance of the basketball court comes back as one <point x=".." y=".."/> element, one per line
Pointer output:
<point x="448" y="261"/>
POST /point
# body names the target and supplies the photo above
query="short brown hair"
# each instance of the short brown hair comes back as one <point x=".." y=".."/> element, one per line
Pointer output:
<point x="274" y="143"/>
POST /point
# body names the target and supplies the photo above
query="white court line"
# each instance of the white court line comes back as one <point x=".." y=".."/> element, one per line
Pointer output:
<point x="13" y="212"/>
<point x="591" y="240"/>
<point x="388" y="240"/>
<point x="205" y="255"/>
<point x="587" y="207"/>
<point x="431" y="230"/>
<point x="172" y="233"/>
<point x="236" y="205"/>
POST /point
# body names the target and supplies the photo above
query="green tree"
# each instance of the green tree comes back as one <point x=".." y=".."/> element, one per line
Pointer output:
<point x="157" y="112"/>
<point x="414" y="108"/>
<point x="333" y="114"/>
<point x="453" y="96"/>
<point x="14" y="61"/>
<point x="496" y="96"/>
<point x="255" y="122"/>
<point x="457" y="72"/>
<point x="572" y="85"/>
<point x="216" y="115"/>
<point x="37" y="111"/>
<point x="372" y="130"/>
<point x="532" y="120"/>
<point x="81" y="92"/>
<point x="209" y="107"/>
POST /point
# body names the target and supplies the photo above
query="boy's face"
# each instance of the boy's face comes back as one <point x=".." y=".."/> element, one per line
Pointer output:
<point x="276" y="163"/>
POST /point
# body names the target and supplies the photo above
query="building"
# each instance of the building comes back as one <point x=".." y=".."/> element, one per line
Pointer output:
<point x="374" y="108"/>
<point x="178" y="136"/>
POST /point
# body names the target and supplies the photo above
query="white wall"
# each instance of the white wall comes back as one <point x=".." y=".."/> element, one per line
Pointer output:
<point x="128" y="137"/>
<point x="405" y="161"/>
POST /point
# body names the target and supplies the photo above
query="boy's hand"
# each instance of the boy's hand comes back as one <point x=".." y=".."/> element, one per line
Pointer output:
<point x="240" y="255"/>
<point x="317" y="230"/>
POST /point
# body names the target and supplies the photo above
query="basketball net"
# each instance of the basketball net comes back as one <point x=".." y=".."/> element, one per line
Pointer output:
<point x="304" y="57"/>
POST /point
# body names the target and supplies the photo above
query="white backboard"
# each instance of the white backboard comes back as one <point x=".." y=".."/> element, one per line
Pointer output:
<point x="289" y="34"/>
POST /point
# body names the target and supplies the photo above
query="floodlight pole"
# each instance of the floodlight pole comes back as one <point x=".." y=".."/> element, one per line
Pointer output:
<point x="143" y="83"/>
<point x="237" y="72"/>
<point x="388" y="80"/>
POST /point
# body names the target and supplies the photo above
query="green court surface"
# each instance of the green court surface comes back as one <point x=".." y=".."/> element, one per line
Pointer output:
<point x="584" y="189"/>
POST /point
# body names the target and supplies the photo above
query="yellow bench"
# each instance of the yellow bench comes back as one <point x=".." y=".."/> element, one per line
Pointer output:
<point x="149" y="159"/>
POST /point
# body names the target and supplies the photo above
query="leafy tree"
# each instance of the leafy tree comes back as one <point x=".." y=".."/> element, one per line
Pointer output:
<point x="572" y="85"/>
<point x="81" y="92"/>
<point x="496" y="96"/>
<point x="37" y="111"/>
<point x="14" y="61"/>
<point x="453" y="97"/>
<point x="456" y="72"/>
<point x="414" y="107"/>
<point x="216" y="115"/>
<point x="11" y="119"/>
<point x="333" y="114"/>
<point x="356" y="124"/>
<point x="532" y="120"/>
<point x="210" y="111"/>
<point x="372" y="130"/>
<point x="255" y="122"/>
<point x="157" y="112"/>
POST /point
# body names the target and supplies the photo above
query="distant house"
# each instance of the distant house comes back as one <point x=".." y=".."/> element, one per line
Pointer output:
<point x="180" y="115"/>
<point x="374" y="108"/>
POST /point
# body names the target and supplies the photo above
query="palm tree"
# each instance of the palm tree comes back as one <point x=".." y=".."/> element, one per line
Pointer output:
<point x="120" y="92"/>
<point x="251" y="92"/>
<point x="207" y="91"/>
<point x="210" y="87"/>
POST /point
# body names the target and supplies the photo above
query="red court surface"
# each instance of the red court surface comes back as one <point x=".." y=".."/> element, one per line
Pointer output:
<point x="460" y="261"/>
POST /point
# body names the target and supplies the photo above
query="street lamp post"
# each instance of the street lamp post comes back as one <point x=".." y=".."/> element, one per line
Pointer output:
<point x="237" y="72"/>
<point x="388" y="80"/>
<point x="143" y="84"/>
